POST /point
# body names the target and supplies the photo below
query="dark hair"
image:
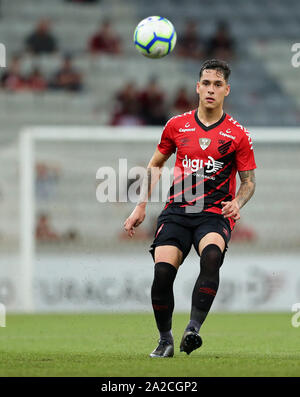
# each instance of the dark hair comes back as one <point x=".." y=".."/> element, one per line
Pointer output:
<point x="218" y="65"/>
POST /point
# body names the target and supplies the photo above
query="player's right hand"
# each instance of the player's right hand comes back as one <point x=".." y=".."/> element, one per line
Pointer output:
<point x="231" y="209"/>
<point x="134" y="220"/>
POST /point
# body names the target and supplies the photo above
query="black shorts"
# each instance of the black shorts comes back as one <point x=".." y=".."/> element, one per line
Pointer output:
<point x="183" y="231"/>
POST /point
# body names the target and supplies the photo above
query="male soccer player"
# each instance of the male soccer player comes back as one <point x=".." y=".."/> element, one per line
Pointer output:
<point x="202" y="205"/>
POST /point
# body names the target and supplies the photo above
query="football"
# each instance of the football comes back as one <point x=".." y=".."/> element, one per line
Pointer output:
<point x="155" y="37"/>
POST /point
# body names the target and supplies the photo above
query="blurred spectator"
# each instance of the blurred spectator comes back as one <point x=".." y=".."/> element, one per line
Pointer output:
<point x="127" y="111"/>
<point x="129" y="118"/>
<point x="36" y="81"/>
<point x="243" y="233"/>
<point x="190" y="45"/>
<point x="127" y="97"/>
<point x="47" y="177"/>
<point x="152" y="102"/>
<point x="183" y="102"/>
<point x="138" y="108"/>
<point x="221" y="44"/>
<point x="105" y="40"/>
<point x="41" y="40"/>
<point x="12" y="79"/>
<point x="44" y="231"/>
<point x="67" y="77"/>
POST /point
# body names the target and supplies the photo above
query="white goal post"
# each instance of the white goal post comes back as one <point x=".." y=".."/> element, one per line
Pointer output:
<point x="277" y="151"/>
<point x="28" y="137"/>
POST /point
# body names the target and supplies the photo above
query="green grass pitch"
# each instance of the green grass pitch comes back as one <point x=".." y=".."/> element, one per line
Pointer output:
<point x="106" y="345"/>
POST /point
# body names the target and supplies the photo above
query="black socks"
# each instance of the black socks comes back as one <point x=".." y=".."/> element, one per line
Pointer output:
<point x="206" y="285"/>
<point x="163" y="298"/>
<point x="204" y="292"/>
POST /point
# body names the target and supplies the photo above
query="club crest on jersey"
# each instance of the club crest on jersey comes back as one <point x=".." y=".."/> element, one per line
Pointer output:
<point x="223" y="149"/>
<point x="204" y="143"/>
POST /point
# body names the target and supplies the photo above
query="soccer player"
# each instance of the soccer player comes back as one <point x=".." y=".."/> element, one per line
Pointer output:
<point x="202" y="206"/>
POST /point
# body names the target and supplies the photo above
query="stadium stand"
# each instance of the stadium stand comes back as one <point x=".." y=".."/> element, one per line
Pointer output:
<point x="257" y="67"/>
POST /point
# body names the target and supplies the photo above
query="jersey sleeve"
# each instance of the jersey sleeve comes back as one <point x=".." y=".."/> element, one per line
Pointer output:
<point x="244" y="154"/>
<point x="167" y="144"/>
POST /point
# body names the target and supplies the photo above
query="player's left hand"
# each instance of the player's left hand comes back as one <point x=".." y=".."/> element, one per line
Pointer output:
<point x="231" y="209"/>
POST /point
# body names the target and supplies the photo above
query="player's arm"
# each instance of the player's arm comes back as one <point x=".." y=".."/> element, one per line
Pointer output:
<point x="247" y="187"/>
<point x="151" y="178"/>
<point x="231" y="209"/>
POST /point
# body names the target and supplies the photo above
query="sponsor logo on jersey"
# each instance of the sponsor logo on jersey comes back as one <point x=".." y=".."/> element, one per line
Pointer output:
<point x="194" y="165"/>
<point x="179" y="115"/>
<point x="243" y="129"/>
<point x="186" y="129"/>
<point x="231" y="119"/>
<point x="249" y="140"/>
<point x="227" y="134"/>
<point x="223" y="149"/>
<point x="204" y="143"/>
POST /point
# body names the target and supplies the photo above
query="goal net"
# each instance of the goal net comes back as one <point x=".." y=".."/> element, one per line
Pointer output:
<point x="76" y="187"/>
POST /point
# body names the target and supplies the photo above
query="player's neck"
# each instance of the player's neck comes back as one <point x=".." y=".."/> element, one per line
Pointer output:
<point x="209" y="116"/>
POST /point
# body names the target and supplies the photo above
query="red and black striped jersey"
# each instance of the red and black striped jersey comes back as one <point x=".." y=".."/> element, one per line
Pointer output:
<point x="207" y="161"/>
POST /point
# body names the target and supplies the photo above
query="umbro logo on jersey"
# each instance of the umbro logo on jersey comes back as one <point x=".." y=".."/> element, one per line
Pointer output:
<point x="184" y="142"/>
<point x="223" y="149"/>
<point x="204" y="143"/>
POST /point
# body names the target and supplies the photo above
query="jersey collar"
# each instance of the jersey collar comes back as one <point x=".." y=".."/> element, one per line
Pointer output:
<point x="210" y="127"/>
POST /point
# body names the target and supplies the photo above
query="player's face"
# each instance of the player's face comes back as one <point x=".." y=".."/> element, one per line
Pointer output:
<point x="212" y="89"/>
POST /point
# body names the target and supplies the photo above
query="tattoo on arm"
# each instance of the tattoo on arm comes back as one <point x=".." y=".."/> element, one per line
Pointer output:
<point x="247" y="187"/>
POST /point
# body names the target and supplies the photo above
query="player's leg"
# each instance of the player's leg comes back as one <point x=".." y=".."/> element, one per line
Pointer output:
<point x="211" y="249"/>
<point x="211" y="241"/>
<point x="169" y="249"/>
<point x="167" y="260"/>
